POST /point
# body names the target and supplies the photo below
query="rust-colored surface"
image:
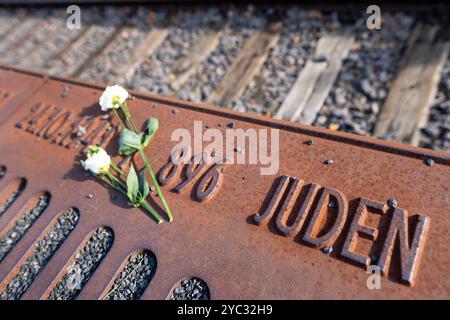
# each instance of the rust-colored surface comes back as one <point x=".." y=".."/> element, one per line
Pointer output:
<point x="231" y="241"/>
<point x="14" y="89"/>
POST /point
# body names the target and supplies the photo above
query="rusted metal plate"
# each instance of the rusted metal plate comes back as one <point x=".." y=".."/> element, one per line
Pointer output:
<point x="14" y="89"/>
<point x="233" y="241"/>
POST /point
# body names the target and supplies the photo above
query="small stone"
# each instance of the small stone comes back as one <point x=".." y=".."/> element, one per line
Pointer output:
<point x="368" y="89"/>
<point x="327" y="249"/>
<point x="329" y="161"/>
<point x="309" y="142"/>
<point x="81" y="131"/>
<point x="231" y="125"/>
<point x="431" y="130"/>
<point x="392" y="203"/>
<point x="175" y="111"/>
<point x="65" y="92"/>
<point x="238" y="150"/>
<point x="89" y="196"/>
<point x="429" y="162"/>
<point x="333" y="126"/>
<point x="321" y="58"/>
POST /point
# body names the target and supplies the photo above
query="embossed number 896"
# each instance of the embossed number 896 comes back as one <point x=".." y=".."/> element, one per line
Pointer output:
<point x="209" y="183"/>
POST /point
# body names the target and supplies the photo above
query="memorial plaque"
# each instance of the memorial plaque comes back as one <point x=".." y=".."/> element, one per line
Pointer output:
<point x="333" y="205"/>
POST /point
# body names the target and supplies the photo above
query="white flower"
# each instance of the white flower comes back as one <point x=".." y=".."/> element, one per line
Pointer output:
<point x="113" y="97"/>
<point x="97" y="160"/>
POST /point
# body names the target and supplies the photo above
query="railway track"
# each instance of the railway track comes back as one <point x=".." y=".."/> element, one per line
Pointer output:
<point x="316" y="67"/>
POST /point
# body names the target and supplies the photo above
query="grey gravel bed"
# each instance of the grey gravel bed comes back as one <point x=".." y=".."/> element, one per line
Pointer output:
<point x="8" y="241"/>
<point x="154" y="74"/>
<point x="11" y="198"/>
<point x="86" y="262"/>
<point x="208" y="75"/>
<point x="353" y="104"/>
<point x="22" y="52"/>
<point x="16" y="34"/>
<point x="436" y="133"/>
<point x="43" y="251"/>
<point x="134" y="278"/>
<point x="104" y="67"/>
<point x="299" y="34"/>
<point x="28" y="28"/>
<point x="191" y="289"/>
<point x="363" y="83"/>
<point x="95" y="38"/>
<point x="57" y="42"/>
<point x="8" y="18"/>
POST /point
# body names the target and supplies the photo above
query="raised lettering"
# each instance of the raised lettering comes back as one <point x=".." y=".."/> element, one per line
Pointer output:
<point x="409" y="253"/>
<point x="318" y="217"/>
<point x="357" y="227"/>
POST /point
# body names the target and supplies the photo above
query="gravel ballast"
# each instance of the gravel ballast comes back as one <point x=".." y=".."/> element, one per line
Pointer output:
<point x="86" y="262"/>
<point x="132" y="281"/>
<point x="43" y="55"/>
<point x="12" y="236"/>
<point x="43" y="251"/>
<point x="436" y="133"/>
<point x="8" y="19"/>
<point x="24" y="28"/>
<point x="209" y="74"/>
<point x="155" y="74"/>
<point x="96" y="37"/>
<point x="363" y="84"/>
<point x="191" y="289"/>
<point x="110" y="34"/>
<point x="104" y="67"/>
<point x="46" y="29"/>
<point x="298" y="37"/>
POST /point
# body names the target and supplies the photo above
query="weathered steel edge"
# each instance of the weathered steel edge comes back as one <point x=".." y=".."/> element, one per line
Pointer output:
<point x="8" y="109"/>
<point x="348" y="138"/>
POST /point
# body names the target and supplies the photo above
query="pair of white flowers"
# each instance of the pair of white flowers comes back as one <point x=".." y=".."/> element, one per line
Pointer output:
<point x="98" y="160"/>
<point x="131" y="141"/>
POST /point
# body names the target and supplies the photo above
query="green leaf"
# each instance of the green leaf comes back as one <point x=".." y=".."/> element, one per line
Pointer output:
<point x="129" y="142"/>
<point x="143" y="185"/>
<point x="133" y="186"/>
<point x="149" y="131"/>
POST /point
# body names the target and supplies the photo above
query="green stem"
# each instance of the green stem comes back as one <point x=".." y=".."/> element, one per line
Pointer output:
<point x="152" y="211"/>
<point x="128" y="117"/>
<point x="118" y="118"/>
<point x="112" y="185"/>
<point x="115" y="179"/>
<point x="155" y="183"/>
<point x="116" y="168"/>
